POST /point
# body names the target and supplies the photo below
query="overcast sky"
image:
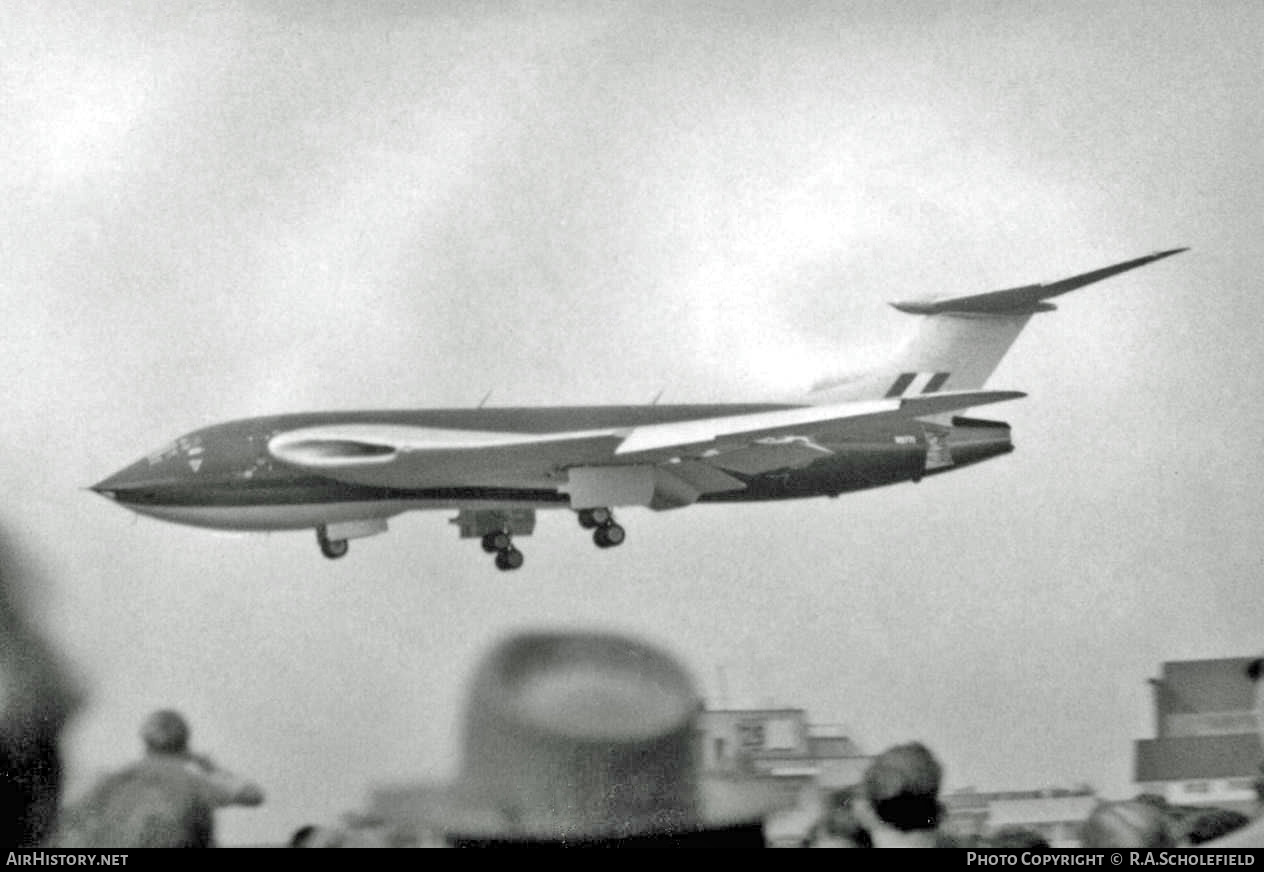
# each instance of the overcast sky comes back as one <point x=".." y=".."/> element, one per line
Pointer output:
<point x="218" y="210"/>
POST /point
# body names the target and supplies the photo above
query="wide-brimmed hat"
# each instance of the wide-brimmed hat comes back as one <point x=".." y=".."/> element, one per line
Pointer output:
<point x="586" y="736"/>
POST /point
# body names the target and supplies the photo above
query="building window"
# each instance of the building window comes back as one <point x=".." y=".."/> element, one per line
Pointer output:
<point x="719" y="750"/>
<point x="750" y="734"/>
<point x="781" y="734"/>
<point x="1197" y="787"/>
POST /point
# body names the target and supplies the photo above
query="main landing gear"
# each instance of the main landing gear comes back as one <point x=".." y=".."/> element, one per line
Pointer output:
<point x="500" y="543"/>
<point x="331" y="548"/>
<point x="606" y="533"/>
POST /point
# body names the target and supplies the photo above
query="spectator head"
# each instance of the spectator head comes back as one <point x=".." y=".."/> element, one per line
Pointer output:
<point x="901" y="788"/>
<point x="165" y="732"/>
<point x="589" y="739"/>
<point x="1129" y="824"/>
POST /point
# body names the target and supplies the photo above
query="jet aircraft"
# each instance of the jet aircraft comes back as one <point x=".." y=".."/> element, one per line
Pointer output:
<point x="344" y="474"/>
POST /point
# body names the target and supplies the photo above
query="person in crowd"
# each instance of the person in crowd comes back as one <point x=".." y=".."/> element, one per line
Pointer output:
<point x="166" y="799"/>
<point x="1212" y="824"/>
<point x="1128" y="824"/>
<point x="899" y="800"/>
<point x="312" y="836"/>
<point x="839" y="826"/>
<point x="579" y="739"/>
<point x="141" y="807"/>
<point x="37" y="698"/>
<point x="165" y="735"/>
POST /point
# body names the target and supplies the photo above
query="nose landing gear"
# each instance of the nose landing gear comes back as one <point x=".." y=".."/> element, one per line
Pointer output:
<point x="331" y="548"/>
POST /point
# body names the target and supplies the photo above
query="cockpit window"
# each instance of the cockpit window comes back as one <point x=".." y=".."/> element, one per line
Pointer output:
<point x="165" y="453"/>
<point x="186" y="445"/>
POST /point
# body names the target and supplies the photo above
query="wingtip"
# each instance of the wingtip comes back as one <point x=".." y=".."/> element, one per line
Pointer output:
<point x="1169" y="252"/>
<point x="1001" y="396"/>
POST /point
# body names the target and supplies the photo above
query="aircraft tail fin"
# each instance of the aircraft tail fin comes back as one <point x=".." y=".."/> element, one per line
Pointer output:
<point x="961" y="340"/>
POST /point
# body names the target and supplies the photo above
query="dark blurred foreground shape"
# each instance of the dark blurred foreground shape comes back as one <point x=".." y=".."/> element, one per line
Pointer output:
<point x="575" y="739"/>
<point x="37" y="697"/>
<point x="167" y="799"/>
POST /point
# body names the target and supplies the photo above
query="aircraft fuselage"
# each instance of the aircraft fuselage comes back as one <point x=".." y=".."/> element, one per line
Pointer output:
<point x="224" y="476"/>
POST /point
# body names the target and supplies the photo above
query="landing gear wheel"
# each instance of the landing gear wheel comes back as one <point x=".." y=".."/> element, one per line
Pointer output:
<point x="331" y="548"/>
<point x="591" y="518"/>
<point x="335" y="548"/>
<point x="510" y="558"/>
<point x="609" y="536"/>
<point x="497" y="540"/>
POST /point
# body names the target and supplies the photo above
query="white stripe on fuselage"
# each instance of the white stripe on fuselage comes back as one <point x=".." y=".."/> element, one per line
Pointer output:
<point x="302" y="516"/>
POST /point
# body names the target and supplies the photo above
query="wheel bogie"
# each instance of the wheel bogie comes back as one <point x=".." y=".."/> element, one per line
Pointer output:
<point x="606" y="533"/>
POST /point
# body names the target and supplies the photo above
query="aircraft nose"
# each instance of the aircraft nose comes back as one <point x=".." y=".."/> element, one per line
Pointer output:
<point x="103" y="488"/>
<point x="109" y="487"/>
<point x="129" y="478"/>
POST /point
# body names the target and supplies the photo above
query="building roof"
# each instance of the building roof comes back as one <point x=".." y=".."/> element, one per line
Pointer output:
<point x="832" y="746"/>
<point x="1191" y="758"/>
<point x="1192" y="686"/>
<point x="1040" y="810"/>
<point x="970" y="796"/>
<point x="964" y="800"/>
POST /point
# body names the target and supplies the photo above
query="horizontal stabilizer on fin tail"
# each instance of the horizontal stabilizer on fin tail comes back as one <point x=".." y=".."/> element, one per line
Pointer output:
<point x="959" y="341"/>
<point x="1027" y="299"/>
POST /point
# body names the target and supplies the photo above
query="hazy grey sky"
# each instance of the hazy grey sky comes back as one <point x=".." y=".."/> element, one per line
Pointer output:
<point x="220" y="210"/>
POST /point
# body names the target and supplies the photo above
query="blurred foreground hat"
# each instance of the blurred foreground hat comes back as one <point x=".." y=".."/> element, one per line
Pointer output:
<point x="582" y="737"/>
<point x="38" y="695"/>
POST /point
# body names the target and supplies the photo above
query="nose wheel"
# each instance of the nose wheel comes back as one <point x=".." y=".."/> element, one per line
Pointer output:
<point x="501" y="544"/>
<point x="606" y="533"/>
<point x="331" y="548"/>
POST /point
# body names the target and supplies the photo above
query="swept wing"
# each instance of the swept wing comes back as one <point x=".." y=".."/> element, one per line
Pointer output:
<point x="690" y="457"/>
